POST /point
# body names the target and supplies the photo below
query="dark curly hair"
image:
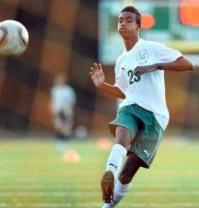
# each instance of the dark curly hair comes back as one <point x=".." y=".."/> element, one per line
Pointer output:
<point x="135" y="11"/>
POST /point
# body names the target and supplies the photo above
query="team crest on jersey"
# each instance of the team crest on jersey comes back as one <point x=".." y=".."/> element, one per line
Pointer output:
<point x="142" y="57"/>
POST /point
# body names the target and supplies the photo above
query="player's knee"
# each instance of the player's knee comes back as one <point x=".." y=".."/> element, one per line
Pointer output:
<point x="123" y="137"/>
<point x="124" y="179"/>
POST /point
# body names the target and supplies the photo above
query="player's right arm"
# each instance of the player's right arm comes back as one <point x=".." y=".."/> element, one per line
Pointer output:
<point x="98" y="78"/>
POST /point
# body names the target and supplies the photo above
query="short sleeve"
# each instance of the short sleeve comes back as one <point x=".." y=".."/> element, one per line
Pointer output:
<point x="165" y="54"/>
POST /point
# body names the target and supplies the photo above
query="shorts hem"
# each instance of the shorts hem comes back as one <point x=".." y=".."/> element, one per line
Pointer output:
<point x="112" y="127"/>
<point x="144" y="164"/>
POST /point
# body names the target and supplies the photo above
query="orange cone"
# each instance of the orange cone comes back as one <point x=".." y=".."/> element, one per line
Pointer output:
<point x="104" y="143"/>
<point x="71" y="156"/>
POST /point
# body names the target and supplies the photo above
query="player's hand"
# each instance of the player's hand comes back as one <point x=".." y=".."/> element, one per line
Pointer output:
<point x="139" y="70"/>
<point x="97" y="75"/>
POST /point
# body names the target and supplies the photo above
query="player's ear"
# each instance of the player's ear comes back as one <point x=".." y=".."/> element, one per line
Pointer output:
<point x="138" y="28"/>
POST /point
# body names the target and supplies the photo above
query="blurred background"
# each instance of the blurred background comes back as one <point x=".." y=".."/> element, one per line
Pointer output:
<point x="67" y="36"/>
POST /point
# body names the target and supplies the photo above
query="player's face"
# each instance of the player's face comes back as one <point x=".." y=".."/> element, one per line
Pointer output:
<point x="60" y="80"/>
<point x="127" y="26"/>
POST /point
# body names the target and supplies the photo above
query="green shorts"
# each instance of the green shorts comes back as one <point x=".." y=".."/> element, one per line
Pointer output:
<point x="146" y="132"/>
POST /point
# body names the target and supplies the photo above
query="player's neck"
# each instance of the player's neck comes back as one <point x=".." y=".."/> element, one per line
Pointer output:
<point x="130" y="43"/>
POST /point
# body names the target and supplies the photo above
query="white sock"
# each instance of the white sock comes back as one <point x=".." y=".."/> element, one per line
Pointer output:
<point x="115" y="159"/>
<point x="120" y="191"/>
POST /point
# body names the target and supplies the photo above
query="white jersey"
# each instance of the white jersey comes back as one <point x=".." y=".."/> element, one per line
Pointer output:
<point x="63" y="99"/>
<point x="149" y="91"/>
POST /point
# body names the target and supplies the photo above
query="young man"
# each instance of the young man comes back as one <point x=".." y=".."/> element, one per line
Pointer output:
<point x="142" y="116"/>
<point x="63" y="99"/>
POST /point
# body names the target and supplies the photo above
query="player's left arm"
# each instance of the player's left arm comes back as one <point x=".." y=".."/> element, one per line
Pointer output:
<point x="180" y="64"/>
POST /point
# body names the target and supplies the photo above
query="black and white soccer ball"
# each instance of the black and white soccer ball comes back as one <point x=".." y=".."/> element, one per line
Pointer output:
<point x="14" y="38"/>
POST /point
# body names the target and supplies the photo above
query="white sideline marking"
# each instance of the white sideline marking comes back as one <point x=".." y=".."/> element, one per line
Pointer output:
<point x="80" y="181"/>
<point x="88" y="186"/>
<point x="98" y="204"/>
<point x="92" y="193"/>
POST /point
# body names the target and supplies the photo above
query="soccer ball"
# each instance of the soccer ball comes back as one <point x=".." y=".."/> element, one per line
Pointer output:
<point x="13" y="38"/>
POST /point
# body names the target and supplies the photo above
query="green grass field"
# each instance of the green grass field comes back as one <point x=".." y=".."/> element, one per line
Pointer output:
<point x="34" y="174"/>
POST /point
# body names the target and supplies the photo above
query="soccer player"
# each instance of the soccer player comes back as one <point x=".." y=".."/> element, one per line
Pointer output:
<point x="142" y="116"/>
<point x="63" y="99"/>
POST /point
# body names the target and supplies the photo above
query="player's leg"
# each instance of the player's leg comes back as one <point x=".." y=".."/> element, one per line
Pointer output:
<point x="60" y="126"/>
<point x="123" y="182"/>
<point x="141" y="152"/>
<point x="119" y="149"/>
<point x="124" y="128"/>
<point x="67" y="124"/>
<point x="114" y="162"/>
